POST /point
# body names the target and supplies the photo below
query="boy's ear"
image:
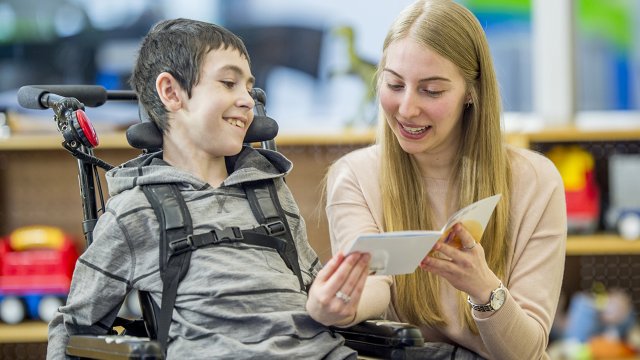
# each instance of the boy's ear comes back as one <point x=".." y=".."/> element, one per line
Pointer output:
<point x="169" y="91"/>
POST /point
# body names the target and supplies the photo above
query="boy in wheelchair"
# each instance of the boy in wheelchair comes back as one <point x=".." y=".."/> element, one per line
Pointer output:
<point x="235" y="294"/>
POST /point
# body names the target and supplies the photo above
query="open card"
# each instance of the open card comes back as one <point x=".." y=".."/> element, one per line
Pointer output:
<point x="400" y="252"/>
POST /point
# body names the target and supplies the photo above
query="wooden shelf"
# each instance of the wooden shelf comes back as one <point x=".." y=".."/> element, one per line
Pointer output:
<point x="578" y="135"/>
<point x="53" y="141"/>
<point x="601" y="244"/>
<point x="571" y="134"/>
<point x="117" y="140"/>
<point x="26" y="332"/>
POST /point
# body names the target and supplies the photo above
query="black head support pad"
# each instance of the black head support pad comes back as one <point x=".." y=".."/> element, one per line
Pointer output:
<point x="147" y="136"/>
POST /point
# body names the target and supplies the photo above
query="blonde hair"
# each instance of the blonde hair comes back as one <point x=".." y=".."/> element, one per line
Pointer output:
<point x="481" y="168"/>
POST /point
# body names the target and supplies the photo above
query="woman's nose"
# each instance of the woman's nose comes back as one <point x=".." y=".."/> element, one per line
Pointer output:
<point x="408" y="105"/>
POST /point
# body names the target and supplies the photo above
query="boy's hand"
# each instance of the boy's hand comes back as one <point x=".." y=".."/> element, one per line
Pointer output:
<point x="335" y="293"/>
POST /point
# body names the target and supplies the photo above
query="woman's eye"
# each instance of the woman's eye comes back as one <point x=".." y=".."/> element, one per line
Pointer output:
<point x="434" y="93"/>
<point x="395" y="86"/>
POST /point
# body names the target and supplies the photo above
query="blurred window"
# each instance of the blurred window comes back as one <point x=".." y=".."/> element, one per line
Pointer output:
<point x="607" y="54"/>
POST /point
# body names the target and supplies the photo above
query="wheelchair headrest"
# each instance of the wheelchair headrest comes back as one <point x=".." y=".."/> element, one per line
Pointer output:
<point x="146" y="135"/>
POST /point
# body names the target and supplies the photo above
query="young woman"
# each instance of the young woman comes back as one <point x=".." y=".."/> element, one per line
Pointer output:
<point x="441" y="148"/>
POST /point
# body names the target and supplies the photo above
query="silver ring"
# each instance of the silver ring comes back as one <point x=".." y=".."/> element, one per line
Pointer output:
<point x="342" y="296"/>
<point x="470" y="247"/>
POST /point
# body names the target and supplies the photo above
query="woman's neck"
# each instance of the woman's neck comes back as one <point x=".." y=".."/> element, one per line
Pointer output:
<point x="437" y="164"/>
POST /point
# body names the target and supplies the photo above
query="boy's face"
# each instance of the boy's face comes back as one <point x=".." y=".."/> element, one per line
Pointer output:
<point x="220" y="110"/>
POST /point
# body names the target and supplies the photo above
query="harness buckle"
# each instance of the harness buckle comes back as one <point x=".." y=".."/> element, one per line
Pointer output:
<point x="274" y="228"/>
<point x="181" y="245"/>
<point x="231" y="233"/>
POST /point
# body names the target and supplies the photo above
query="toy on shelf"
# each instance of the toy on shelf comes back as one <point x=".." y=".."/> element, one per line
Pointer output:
<point x="623" y="213"/>
<point x="36" y="265"/>
<point x="576" y="166"/>
<point x="600" y="324"/>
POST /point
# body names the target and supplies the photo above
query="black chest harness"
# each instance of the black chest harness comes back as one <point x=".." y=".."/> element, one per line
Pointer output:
<point x="177" y="241"/>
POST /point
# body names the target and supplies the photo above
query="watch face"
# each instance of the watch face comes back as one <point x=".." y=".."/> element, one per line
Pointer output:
<point x="498" y="298"/>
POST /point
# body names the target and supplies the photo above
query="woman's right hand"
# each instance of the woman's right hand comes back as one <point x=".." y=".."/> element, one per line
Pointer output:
<point x="335" y="293"/>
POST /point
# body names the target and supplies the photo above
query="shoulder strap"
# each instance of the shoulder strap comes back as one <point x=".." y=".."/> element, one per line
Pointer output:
<point x="177" y="240"/>
<point x="266" y="208"/>
<point x="175" y="223"/>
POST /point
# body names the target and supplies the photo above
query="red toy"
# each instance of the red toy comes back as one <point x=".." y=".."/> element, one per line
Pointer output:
<point x="36" y="265"/>
<point x="576" y="166"/>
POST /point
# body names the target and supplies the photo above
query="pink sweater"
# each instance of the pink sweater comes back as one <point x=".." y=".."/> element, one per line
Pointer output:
<point x="520" y="329"/>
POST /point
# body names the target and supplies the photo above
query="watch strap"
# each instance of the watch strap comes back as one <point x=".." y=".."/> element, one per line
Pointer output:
<point x="484" y="307"/>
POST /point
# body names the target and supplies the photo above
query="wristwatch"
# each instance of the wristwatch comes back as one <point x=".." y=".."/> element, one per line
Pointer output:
<point x="496" y="300"/>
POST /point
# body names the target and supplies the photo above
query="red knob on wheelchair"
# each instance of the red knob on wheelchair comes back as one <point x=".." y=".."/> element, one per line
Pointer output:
<point x="84" y="131"/>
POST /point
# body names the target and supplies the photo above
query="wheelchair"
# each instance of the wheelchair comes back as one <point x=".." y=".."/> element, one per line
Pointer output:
<point x="371" y="339"/>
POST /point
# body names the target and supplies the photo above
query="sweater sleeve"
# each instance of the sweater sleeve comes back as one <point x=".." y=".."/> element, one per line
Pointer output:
<point x="520" y="329"/>
<point x="350" y="214"/>
<point x="100" y="282"/>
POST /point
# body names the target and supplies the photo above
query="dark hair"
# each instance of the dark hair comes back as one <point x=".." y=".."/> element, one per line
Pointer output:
<point x="177" y="47"/>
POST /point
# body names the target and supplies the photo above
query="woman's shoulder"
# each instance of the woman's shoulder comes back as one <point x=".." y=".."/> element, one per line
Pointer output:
<point x="361" y="166"/>
<point x="527" y="162"/>
<point x="364" y="158"/>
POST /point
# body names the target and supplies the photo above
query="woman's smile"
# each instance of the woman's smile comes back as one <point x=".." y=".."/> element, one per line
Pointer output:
<point x="413" y="132"/>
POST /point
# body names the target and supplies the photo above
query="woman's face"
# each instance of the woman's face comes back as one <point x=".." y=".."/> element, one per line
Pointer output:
<point x="423" y="96"/>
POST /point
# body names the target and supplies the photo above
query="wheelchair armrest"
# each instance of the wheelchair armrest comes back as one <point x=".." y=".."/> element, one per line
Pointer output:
<point x="113" y="347"/>
<point x="381" y="338"/>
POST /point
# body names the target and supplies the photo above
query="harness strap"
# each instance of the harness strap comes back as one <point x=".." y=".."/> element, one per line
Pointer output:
<point x="177" y="240"/>
<point x="192" y="242"/>
<point x="173" y="214"/>
<point x="257" y="236"/>
<point x="265" y="205"/>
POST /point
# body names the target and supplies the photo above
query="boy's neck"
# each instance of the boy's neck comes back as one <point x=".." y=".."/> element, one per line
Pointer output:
<point x="212" y="170"/>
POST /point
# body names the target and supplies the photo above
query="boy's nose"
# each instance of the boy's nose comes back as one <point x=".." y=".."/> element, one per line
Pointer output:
<point x="245" y="100"/>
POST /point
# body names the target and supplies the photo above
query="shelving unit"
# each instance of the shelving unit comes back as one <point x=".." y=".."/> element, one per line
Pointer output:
<point x="38" y="184"/>
<point x="27" y="196"/>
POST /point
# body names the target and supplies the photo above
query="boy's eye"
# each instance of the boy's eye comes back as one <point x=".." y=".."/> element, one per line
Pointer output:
<point x="228" y="84"/>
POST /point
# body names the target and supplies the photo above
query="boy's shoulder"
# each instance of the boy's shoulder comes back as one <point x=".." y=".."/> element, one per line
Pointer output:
<point x="127" y="201"/>
<point x="257" y="164"/>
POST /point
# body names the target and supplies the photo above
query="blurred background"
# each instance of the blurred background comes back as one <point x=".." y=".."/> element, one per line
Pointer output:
<point x="314" y="58"/>
<point x="569" y="73"/>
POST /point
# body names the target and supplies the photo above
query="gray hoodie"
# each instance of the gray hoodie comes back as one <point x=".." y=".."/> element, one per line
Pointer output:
<point x="236" y="301"/>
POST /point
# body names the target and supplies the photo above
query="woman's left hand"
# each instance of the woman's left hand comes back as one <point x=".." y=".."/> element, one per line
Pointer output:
<point x="466" y="268"/>
<point x="335" y="293"/>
